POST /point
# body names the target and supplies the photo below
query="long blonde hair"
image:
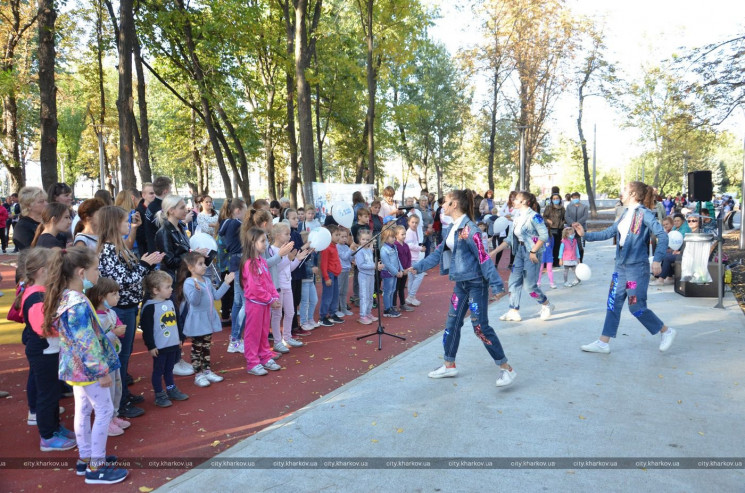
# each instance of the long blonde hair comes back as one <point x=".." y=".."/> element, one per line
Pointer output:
<point x="29" y="263"/>
<point x="109" y="219"/>
<point x="62" y="266"/>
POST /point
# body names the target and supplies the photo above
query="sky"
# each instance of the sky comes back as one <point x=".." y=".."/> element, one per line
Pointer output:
<point x="638" y="32"/>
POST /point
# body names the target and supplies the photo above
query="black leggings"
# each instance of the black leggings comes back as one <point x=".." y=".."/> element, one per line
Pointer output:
<point x="226" y="302"/>
<point x="400" y="290"/>
<point x="163" y="368"/>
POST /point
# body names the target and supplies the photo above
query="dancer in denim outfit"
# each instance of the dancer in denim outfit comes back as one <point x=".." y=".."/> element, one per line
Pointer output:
<point x="631" y="273"/>
<point x="462" y="255"/>
<point x="527" y="238"/>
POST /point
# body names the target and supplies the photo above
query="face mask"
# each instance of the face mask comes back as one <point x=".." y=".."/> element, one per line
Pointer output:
<point x="106" y="304"/>
<point x="571" y="237"/>
<point x="556" y="202"/>
<point x="575" y="201"/>
<point x="86" y="284"/>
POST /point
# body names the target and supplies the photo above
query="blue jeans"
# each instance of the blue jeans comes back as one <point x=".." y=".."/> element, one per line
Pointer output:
<point x="236" y="322"/>
<point x="524" y="272"/>
<point x="471" y="295"/>
<point x="308" y="301"/>
<point x="367" y="284"/>
<point x="630" y="281"/>
<point x="329" y="297"/>
<point x="389" y="291"/>
<point x="128" y="316"/>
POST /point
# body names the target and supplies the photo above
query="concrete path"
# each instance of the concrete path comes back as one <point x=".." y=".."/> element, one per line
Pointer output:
<point x="603" y="419"/>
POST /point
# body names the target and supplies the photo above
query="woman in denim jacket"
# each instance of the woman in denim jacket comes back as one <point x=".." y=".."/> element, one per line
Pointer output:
<point x="462" y="255"/>
<point x="631" y="276"/>
<point x="527" y="237"/>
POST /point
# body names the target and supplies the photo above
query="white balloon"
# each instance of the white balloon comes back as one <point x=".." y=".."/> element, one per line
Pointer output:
<point x="343" y="214"/>
<point x="202" y="240"/>
<point x="583" y="272"/>
<point x="320" y="239"/>
<point x="500" y="225"/>
<point x="674" y="240"/>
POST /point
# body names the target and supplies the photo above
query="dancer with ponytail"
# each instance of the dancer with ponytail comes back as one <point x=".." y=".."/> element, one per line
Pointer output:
<point x="631" y="273"/>
<point x="473" y="272"/>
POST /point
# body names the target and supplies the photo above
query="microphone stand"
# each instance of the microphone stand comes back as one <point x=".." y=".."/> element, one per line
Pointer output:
<point x="380" y="332"/>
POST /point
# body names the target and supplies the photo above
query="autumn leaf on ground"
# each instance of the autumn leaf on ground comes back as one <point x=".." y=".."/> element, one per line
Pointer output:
<point x="581" y="417"/>
<point x="215" y="443"/>
<point x="144" y="489"/>
<point x="400" y="430"/>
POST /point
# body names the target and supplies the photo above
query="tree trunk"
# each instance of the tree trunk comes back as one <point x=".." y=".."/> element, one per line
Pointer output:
<point x="493" y="132"/>
<point x="290" y="86"/>
<point x="195" y="155"/>
<point x="304" y="109"/>
<point x="360" y="165"/>
<point x="47" y="93"/>
<point x="319" y="137"/>
<point x="269" y="152"/>
<point x="143" y="143"/>
<point x="124" y="103"/>
<point x="243" y="178"/>
<point x="212" y="133"/>
<point x="585" y="156"/>
<point x="371" y="88"/>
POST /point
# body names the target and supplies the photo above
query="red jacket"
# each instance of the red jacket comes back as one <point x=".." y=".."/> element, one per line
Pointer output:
<point x="3" y="217"/>
<point x="330" y="262"/>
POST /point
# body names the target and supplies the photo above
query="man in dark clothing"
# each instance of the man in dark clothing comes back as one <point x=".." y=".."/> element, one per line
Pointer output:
<point x="161" y="188"/>
<point x="147" y="197"/>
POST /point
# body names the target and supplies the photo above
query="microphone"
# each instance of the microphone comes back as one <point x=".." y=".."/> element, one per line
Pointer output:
<point x="406" y="207"/>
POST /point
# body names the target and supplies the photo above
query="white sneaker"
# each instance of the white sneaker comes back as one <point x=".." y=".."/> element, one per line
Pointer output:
<point x="308" y="326"/>
<point x="506" y="377"/>
<point x="183" y="369"/>
<point x="316" y="323"/>
<point x="413" y="301"/>
<point x="667" y="339"/>
<point x="292" y="342"/>
<point x="233" y="347"/>
<point x="567" y="284"/>
<point x="546" y="311"/>
<point x="511" y="316"/>
<point x="241" y="349"/>
<point x="213" y="377"/>
<point x="348" y="312"/>
<point x="340" y="314"/>
<point x="201" y="380"/>
<point x="443" y="372"/>
<point x="272" y="365"/>
<point x="281" y="348"/>
<point x="595" y="347"/>
<point x="258" y="370"/>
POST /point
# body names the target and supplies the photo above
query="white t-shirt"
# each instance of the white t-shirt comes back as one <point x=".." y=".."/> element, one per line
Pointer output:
<point x="625" y="224"/>
<point x="450" y="241"/>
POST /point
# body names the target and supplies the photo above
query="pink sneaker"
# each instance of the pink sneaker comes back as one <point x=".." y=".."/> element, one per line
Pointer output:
<point x="373" y="317"/>
<point x="114" y="430"/>
<point x="365" y="320"/>
<point x="121" y="423"/>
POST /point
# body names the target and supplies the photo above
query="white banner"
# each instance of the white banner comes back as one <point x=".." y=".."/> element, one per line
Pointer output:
<point x="327" y="193"/>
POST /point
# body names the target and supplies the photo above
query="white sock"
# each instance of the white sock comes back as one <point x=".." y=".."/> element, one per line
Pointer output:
<point x="601" y="343"/>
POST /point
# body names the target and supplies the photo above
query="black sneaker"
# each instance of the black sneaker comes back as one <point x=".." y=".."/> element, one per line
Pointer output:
<point x="336" y="320"/>
<point x="135" y="398"/>
<point x="175" y="394"/>
<point x="392" y="313"/>
<point x="162" y="400"/>
<point x="130" y="411"/>
<point x="325" y="322"/>
<point x="107" y="474"/>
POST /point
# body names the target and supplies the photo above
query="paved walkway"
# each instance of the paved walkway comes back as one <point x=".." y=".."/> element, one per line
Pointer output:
<point x="565" y="406"/>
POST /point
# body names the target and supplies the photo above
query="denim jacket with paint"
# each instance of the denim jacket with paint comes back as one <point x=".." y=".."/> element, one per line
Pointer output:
<point x="530" y="232"/>
<point x="468" y="259"/>
<point x="635" y="246"/>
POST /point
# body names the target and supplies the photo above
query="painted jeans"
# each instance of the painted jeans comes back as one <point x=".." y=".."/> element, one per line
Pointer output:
<point x="524" y="272"/>
<point x="630" y="281"/>
<point x="474" y="296"/>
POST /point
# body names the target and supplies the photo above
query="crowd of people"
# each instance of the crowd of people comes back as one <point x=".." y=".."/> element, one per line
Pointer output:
<point x="81" y="276"/>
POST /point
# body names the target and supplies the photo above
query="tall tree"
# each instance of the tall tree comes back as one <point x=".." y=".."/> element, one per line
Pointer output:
<point x="593" y="75"/>
<point x="124" y="103"/>
<point x="18" y="18"/>
<point x="47" y="93"/>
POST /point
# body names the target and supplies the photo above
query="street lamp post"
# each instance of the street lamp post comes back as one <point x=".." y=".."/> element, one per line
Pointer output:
<point x="685" y="172"/>
<point x="101" y="172"/>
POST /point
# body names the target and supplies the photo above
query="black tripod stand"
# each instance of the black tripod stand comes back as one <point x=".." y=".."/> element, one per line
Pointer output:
<point x="380" y="332"/>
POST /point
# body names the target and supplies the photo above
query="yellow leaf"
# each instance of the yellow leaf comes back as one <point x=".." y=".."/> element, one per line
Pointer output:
<point x="416" y="414"/>
<point x="374" y="441"/>
<point x="581" y="417"/>
<point x="364" y="360"/>
<point x="312" y="356"/>
<point x="374" y="423"/>
<point x="660" y="376"/>
<point x="371" y="367"/>
<point x="680" y="402"/>
<point x="326" y="359"/>
<point x="144" y="489"/>
<point x="215" y="443"/>
<point x="689" y="373"/>
<point x="400" y="430"/>
<point x="701" y="433"/>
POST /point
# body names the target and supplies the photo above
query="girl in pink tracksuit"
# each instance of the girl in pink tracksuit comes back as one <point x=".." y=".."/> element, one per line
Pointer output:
<point x="261" y="296"/>
<point x="569" y="255"/>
